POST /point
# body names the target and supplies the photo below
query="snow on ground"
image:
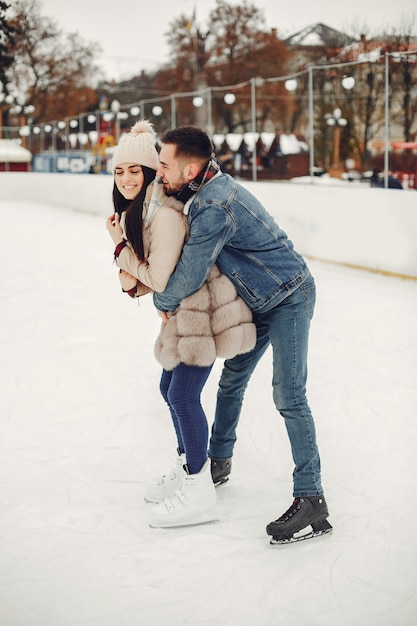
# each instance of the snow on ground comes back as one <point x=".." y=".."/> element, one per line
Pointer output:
<point x="83" y="428"/>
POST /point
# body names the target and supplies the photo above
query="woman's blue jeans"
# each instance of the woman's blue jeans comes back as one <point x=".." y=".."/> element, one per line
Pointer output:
<point x="181" y="389"/>
<point x="286" y="327"/>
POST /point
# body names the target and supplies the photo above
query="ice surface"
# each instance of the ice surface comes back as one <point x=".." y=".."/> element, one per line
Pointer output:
<point x="83" y="427"/>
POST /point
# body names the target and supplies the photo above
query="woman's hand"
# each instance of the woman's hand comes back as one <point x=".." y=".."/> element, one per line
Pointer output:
<point x="114" y="228"/>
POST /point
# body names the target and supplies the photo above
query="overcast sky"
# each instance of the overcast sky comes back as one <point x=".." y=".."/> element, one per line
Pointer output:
<point x="132" y="34"/>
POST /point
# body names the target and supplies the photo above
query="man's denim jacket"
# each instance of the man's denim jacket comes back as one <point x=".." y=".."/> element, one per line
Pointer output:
<point x="229" y="227"/>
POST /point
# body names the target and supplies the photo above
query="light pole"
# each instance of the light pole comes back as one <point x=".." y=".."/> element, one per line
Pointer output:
<point x="173" y="111"/>
<point x="115" y="109"/>
<point x="348" y="82"/>
<point x="311" y="120"/>
<point x="336" y="121"/>
<point x="253" y="83"/>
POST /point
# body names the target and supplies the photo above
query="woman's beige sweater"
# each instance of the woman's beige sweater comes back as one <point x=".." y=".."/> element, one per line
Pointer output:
<point x="163" y="240"/>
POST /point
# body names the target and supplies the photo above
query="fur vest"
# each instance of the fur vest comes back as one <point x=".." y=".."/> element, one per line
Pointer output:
<point x="212" y="322"/>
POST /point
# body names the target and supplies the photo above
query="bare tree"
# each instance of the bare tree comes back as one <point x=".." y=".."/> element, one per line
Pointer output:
<point x="6" y="60"/>
<point x="6" y="43"/>
<point x="52" y="71"/>
<point x="403" y="74"/>
<point x="233" y="48"/>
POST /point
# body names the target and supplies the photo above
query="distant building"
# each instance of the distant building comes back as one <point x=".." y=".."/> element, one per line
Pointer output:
<point x="314" y="42"/>
<point x="371" y="50"/>
<point x="13" y="157"/>
<point x="318" y="36"/>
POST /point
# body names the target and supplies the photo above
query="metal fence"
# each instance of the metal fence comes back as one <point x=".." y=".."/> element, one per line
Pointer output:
<point x="351" y="116"/>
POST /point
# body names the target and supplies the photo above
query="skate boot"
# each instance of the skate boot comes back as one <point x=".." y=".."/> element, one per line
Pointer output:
<point x="308" y="511"/>
<point x="166" y="486"/>
<point x="193" y="503"/>
<point x="220" y="470"/>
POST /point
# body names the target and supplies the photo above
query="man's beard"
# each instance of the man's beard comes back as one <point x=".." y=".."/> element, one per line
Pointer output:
<point x="179" y="186"/>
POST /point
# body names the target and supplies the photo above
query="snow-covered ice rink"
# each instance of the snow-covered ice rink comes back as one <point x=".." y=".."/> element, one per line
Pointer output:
<point x="83" y="427"/>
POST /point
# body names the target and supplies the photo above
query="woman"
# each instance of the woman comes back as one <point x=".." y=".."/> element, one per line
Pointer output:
<point x="148" y="230"/>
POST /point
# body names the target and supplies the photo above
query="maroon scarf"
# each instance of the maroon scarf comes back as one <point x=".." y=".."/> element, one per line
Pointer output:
<point x="199" y="181"/>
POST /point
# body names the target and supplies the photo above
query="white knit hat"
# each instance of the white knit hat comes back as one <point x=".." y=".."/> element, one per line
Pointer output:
<point x="138" y="146"/>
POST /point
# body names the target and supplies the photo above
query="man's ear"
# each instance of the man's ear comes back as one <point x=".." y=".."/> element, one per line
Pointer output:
<point x="191" y="171"/>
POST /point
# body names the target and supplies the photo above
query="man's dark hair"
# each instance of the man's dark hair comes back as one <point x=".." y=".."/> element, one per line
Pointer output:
<point x="190" y="142"/>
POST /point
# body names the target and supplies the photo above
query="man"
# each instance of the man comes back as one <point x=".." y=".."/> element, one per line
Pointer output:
<point x="228" y="226"/>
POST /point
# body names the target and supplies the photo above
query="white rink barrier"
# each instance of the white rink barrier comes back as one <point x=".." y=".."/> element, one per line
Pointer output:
<point x="351" y="224"/>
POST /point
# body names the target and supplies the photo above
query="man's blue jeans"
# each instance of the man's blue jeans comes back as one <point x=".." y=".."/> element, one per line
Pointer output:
<point x="286" y="327"/>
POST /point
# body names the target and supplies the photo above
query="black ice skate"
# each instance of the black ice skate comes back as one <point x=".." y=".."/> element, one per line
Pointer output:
<point x="304" y="512"/>
<point x="220" y="470"/>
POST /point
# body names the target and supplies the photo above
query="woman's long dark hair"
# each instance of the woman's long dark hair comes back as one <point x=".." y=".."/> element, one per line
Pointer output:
<point x="134" y="208"/>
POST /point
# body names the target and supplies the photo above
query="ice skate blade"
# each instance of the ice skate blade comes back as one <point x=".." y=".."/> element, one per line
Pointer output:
<point x="317" y="530"/>
<point x="167" y="525"/>
<point x="204" y="517"/>
<point x="221" y="481"/>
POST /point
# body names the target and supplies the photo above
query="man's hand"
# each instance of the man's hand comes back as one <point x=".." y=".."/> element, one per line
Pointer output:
<point x="164" y="315"/>
<point x="127" y="281"/>
<point x="114" y="228"/>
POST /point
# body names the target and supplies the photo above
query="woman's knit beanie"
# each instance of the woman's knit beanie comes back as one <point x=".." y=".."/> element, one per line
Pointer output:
<point x="138" y="146"/>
